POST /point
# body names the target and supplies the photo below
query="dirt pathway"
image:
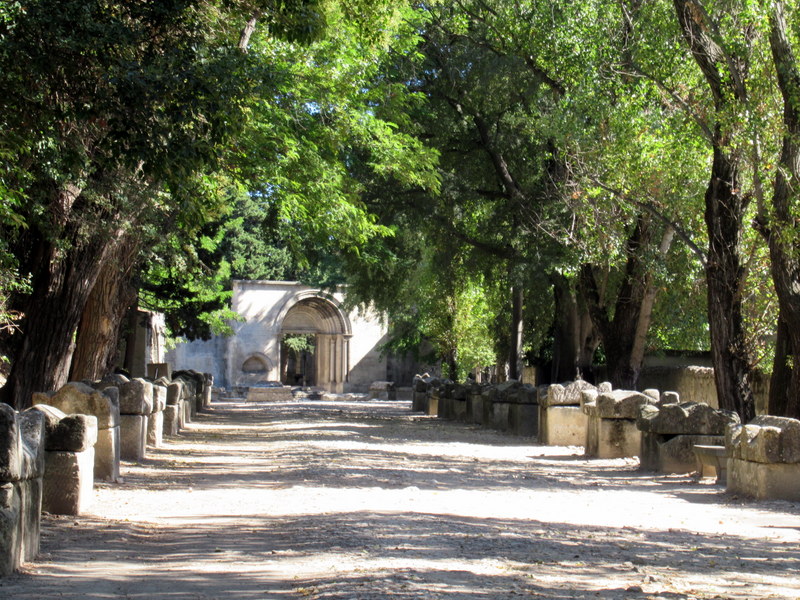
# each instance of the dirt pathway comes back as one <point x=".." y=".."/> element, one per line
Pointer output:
<point x="368" y="501"/>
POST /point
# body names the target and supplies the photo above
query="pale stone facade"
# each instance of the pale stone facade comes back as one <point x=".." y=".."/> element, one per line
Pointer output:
<point x="346" y="357"/>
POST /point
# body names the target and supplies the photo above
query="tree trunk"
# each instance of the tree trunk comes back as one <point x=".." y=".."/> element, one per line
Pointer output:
<point x="648" y="302"/>
<point x="725" y="278"/>
<point x="784" y="399"/>
<point x="780" y="383"/>
<point x="628" y="326"/>
<point x="61" y="287"/>
<point x="565" y="330"/>
<point x="515" y="351"/>
<point x="101" y="322"/>
<point x="725" y="206"/>
<point x="575" y="337"/>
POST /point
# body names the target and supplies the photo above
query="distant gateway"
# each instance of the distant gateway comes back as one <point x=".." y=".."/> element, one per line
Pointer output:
<point x="346" y="353"/>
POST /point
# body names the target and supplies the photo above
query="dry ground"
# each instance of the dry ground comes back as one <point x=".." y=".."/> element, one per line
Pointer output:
<point x="365" y="500"/>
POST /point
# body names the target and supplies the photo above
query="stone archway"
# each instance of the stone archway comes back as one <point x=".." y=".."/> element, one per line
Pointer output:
<point x="315" y="315"/>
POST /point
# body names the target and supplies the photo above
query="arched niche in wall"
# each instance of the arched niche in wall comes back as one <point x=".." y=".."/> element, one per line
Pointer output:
<point x="255" y="369"/>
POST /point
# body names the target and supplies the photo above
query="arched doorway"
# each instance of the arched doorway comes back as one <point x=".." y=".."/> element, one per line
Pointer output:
<point x="323" y="361"/>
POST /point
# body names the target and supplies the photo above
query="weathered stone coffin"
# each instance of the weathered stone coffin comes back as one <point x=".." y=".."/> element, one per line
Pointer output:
<point x="764" y="458"/>
<point x="22" y="438"/>
<point x="69" y="461"/>
<point x="562" y="422"/>
<point x="458" y="403"/>
<point x="523" y="411"/>
<point x="155" y="423"/>
<point x="135" y="406"/>
<point x="444" y="406"/>
<point x="611" y="429"/>
<point x="670" y="432"/>
<point x="80" y="398"/>
<point x="194" y="384"/>
<point x="475" y="404"/>
<point x="419" y="393"/>
<point x="382" y="390"/>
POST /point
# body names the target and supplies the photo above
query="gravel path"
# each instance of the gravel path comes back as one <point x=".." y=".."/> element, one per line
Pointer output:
<point x="366" y="501"/>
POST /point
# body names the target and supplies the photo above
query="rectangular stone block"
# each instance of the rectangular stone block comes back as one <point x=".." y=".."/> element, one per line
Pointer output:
<point x="171" y="419"/>
<point x="433" y="404"/>
<point x="155" y="429"/>
<point x="158" y="370"/>
<point x="500" y="418"/>
<point x="136" y="397"/>
<point x="764" y="481"/>
<point x="562" y="425"/>
<point x="524" y="419"/>
<point x="159" y="397"/>
<point x="68" y="482"/>
<point x="419" y="401"/>
<point x="673" y="454"/>
<point x="444" y="407"/>
<point x="30" y="492"/>
<point x="133" y="437"/>
<point x="10" y="445"/>
<point x="186" y="412"/>
<point x="270" y="394"/>
<point x="107" y="455"/>
<point x="10" y="528"/>
<point x="459" y="406"/>
<point x="613" y="438"/>
<point x="476" y="408"/>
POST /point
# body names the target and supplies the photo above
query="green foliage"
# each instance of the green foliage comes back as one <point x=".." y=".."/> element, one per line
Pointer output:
<point x="298" y="343"/>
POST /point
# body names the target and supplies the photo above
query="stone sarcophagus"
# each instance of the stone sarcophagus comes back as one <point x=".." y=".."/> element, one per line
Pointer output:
<point x="670" y="432"/>
<point x="22" y="438"/>
<point x="82" y="399"/>
<point x="562" y="422"/>
<point x="611" y="430"/>
<point x="69" y="460"/>
<point x="764" y="458"/>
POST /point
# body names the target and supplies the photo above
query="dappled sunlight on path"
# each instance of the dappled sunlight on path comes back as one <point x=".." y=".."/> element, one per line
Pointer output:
<point x="367" y="500"/>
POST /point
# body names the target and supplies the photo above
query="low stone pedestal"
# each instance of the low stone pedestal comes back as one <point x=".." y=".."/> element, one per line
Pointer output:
<point x="713" y="462"/>
<point x="276" y="393"/>
<point x="22" y="437"/>
<point x="155" y="423"/>
<point x="69" y="461"/>
<point x="382" y="390"/>
<point x="444" y="405"/>
<point x="562" y="422"/>
<point x="764" y="458"/>
<point x="475" y="401"/>
<point x="611" y="430"/>
<point x="523" y="410"/>
<point x="135" y="406"/>
<point x="420" y="390"/>
<point x="193" y="395"/>
<point x="79" y="398"/>
<point x="174" y="411"/>
<point x="671" y="431"/>
<point x="458" y="403"/>
<point x="171" y="419"/>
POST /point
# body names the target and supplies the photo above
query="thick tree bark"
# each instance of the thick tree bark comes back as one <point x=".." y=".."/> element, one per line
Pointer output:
<point x="631" y="312"/>
<point x="61" y="287"/>
<point x="780" y="383"/>
<point x="725" y="278"/>
<point x="785" y="400"/>
<point x="101" y="322"/>
<point x="575" y="337"/>
<point x="724" y="212"/>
